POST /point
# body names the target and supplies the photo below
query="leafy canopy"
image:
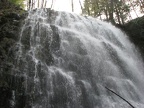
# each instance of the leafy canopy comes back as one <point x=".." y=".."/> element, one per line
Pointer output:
<point x="18" y="2"/>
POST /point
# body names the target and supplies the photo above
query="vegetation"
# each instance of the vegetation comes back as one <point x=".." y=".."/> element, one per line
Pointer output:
<point x="115" y="11"/>
<point x="14" y="2"/>
<point x="18" y="2"/>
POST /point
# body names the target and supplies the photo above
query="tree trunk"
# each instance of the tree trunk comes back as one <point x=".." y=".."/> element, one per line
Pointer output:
<point x="38" y="3"/>
<point x="45" y="3"/>
<point x="111" y="10"/>
<point x="29" y="4"/>
<point x="80" y="5"/>
<point x="52" y="4"/>
<point x="141" y="5"/>
<point x="118" y="16"/>
<point x="106" y="14"/>
<point x="72" y="5"/>
<point x="42" y="4"/>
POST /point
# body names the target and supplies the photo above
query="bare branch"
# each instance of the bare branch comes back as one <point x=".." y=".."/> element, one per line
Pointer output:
<point x="120" y="97"/>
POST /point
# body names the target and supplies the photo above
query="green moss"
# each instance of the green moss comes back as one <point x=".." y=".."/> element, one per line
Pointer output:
<point x="9" y="7"/>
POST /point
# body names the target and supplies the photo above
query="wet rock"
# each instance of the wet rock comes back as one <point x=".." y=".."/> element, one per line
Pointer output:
<point x="135" y="31"/>
<point x="55" y="45"/>
<point x="10" y="25"/>
<point x="13" y="16"/>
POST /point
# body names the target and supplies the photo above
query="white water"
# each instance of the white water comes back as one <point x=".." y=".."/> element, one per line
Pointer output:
<point x="90" y="56"/>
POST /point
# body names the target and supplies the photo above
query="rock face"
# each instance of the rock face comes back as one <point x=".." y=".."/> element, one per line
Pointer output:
<point x="10" y="25"/>
<point x="135" y="31"/>
<point x="12" y="84"/>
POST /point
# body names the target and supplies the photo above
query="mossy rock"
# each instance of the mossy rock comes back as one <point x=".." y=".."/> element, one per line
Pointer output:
<point x="3" y="84"/>
<point x="7" y="43"/>
<point x="11" y="18"/>
<point x="135" y="27"/>
<point x="135" y="31"/>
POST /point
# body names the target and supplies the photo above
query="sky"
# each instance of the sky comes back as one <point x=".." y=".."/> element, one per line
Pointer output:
<point x="65" y="5"/>
<point x="61" y="5"/>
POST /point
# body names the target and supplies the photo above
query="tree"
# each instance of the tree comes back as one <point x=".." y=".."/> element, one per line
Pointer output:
<point x="118" y="11"/>
<point x="18" y="2"/>
<point x="80" y="5"/>
<point x="111" y="10"/>
<point x="72" y="5"/>
<point x="52" y="4"/>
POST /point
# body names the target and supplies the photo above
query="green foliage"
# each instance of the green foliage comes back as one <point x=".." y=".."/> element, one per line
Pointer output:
<point x="118" y="11"/>
<point x="18" y="2"/>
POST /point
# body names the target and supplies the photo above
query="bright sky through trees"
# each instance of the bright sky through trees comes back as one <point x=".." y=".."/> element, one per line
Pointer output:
<point x="65" y="5"/>
<point x="61" y="5"/>
<point x="114" y="10"/>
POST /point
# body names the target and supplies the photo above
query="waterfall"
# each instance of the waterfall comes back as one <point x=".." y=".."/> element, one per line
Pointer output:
<point x="67" y="60"/>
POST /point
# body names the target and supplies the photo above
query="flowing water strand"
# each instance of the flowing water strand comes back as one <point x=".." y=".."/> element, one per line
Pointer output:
<point x="68" y="60"/>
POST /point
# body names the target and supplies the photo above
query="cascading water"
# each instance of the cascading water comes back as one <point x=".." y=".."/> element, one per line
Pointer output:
<point x="67" y="61"/>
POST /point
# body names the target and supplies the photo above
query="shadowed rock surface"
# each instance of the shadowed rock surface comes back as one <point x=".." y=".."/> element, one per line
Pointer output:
<point x="135" y="31"/>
